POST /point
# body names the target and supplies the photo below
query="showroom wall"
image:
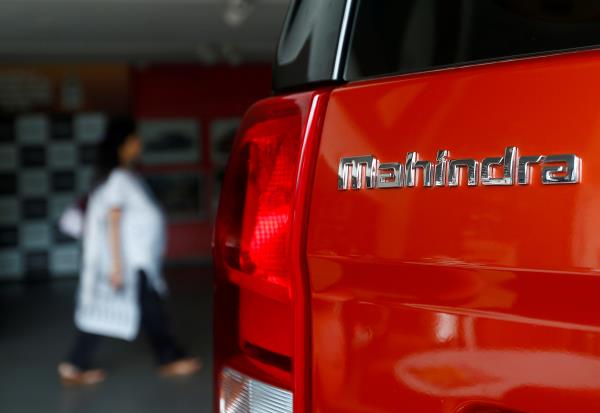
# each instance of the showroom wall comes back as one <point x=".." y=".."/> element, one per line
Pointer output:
<point x="208" y="100"/>
<point x="52" y="116"/>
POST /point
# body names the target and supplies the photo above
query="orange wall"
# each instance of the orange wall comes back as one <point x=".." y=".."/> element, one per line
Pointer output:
<point x="106" y="87"/>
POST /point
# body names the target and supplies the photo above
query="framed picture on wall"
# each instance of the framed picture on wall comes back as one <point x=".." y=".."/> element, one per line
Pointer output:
<point x="168" y="141"/>
<point x="181" y="194"/>
<point x="222" y="134"/>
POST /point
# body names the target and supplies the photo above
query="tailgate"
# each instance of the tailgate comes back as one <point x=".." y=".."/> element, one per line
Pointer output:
<point x="431" y="299"/>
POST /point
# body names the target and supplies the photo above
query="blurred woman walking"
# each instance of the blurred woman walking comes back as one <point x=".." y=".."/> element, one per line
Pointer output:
<point x="121" y="286"/>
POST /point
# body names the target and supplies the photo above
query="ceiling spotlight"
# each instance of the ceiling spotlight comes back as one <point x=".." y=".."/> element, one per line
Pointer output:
<point x="237" y="11"/>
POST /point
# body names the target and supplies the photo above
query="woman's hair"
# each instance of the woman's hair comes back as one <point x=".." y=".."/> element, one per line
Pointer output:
<point x="117" y="132"/>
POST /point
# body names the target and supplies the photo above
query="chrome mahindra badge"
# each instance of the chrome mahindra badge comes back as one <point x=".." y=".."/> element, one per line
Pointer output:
<point x="356" y="172"/>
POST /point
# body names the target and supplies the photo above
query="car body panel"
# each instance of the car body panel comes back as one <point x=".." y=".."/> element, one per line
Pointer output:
<point x="448" y="298"/>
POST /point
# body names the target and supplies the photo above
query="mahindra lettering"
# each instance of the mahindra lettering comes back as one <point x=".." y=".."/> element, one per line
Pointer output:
<point x="412" y="221"/>
<point x="558" y="169"/>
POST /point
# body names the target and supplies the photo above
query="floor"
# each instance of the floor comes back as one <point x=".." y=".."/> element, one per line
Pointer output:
<point x="36" y="330"/>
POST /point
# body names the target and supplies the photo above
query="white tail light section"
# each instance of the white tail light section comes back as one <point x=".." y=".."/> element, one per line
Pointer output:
<point x="243" y="394"/>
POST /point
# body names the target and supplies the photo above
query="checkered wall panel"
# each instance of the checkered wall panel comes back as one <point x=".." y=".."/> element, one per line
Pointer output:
<point x="45" y="164"/>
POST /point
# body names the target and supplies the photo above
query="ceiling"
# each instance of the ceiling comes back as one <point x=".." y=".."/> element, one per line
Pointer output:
<point x="140" y="30"/>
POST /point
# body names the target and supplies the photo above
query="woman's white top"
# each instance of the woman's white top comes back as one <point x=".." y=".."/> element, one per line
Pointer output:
<point x="101" y="309"/>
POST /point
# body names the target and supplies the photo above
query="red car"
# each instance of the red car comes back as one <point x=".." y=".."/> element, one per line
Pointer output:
<point x="412" y="222"/>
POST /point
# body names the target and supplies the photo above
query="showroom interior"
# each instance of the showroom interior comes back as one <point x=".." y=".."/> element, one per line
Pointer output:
<point x="186" y="70"/>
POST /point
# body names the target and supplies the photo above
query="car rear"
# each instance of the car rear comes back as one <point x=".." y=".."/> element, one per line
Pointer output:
<point x="409" y="224"/>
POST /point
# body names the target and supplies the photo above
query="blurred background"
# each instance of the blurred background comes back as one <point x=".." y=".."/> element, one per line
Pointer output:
<point x="186" y="70"/>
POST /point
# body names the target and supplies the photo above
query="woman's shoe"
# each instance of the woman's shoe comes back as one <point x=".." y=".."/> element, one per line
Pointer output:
<point x="71" y="375"/>
<point x="183" y="367"/>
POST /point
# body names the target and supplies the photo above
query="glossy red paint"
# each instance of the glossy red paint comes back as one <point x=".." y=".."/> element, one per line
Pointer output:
<point x="462" y="299"/>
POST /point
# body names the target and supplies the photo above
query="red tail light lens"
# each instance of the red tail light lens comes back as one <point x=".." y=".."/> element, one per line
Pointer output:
<point x="254" y="222"/>
<point x="273" y="149"/>
<point x="261" y="327"/>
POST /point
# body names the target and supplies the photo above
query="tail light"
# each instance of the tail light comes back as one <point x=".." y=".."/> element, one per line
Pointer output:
<point x="240" y="393"/>
<point x="261" y="324"/>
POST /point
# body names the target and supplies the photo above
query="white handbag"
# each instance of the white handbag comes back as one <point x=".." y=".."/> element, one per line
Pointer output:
<point x="71" y="221"/>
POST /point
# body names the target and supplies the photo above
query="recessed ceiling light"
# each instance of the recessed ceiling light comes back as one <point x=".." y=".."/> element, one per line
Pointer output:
<point x="237" y="11"/>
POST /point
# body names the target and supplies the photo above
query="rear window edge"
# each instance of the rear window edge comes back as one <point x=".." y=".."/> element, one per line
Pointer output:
<point x="474" y="63"/>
